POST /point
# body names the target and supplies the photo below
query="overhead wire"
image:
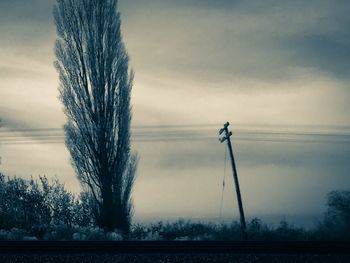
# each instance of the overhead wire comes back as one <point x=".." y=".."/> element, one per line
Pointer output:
<point x="197" y="126"/>
<point x="196" y="132"/>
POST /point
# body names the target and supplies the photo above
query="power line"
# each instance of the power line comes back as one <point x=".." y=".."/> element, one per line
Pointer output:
<point x="12" y="134"/>
<point x="178" y="133"/>
<point x="185" y="138"/>
<point x="167" y="139"/>
<point x="137" y="127"/>
<point x="199" y="126"/>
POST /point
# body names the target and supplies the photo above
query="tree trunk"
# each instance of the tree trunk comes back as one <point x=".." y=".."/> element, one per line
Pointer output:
<point x="108" y="209"/>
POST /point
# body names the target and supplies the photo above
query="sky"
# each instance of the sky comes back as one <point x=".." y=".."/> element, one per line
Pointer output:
<point x="267" y="67"/>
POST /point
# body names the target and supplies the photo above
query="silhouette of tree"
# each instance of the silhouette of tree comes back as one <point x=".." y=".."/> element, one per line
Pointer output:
<point x="95" y="87"/>
<point x="338" y="212"/>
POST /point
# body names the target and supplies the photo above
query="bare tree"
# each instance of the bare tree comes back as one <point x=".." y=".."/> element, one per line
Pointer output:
<point x="95" y="87"/>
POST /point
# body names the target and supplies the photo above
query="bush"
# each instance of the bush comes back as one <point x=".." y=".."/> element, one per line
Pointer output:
<point x="336" y="222"/>
<point x="228" y="232"/>
<point x="37" y="206"/>
<point x="16" y="234"/>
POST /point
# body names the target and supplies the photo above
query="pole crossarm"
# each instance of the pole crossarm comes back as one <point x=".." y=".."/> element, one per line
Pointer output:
<point x="225" y="128"/>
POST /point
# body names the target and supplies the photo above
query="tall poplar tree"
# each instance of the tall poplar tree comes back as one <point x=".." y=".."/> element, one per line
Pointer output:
<point x="95" y="87"/>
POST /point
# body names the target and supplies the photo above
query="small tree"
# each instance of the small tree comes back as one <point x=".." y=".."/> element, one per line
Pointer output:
<point x="95" y="86"/>
<point x="338" y="213"/>
<point x="22" y="204"/>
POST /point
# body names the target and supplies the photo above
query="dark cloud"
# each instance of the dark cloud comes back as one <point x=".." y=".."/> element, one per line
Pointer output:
<point x="252" y="39"/>
<point x="202" y="4"/>
<point x="27" y="29"/>
<point x="295" y="154"/>
<point x="211" y="41"/>
<point x="325" y="53"/>
<point x="19" y="11"/>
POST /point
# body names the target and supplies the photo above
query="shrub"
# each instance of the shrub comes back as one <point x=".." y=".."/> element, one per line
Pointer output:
<point x="36" y="206"/>
<point x="336" y="222"/>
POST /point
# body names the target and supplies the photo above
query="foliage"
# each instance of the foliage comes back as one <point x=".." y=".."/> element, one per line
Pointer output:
<point x="22" y="204"/>
<point x="339" y="207"/>
<point x="187" y="230"/>
<point x="95" y="87"/>
<point x="336" y="223"/>
<point x="36" y="206"/>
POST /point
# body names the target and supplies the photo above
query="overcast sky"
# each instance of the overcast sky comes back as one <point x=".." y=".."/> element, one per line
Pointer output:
<point x="276" y="65"/>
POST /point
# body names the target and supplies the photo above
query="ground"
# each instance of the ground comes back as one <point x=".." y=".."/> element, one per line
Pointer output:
<point x="168" y="258"/>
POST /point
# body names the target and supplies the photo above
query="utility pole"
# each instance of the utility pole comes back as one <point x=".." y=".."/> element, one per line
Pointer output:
<point x="226" y="137"/>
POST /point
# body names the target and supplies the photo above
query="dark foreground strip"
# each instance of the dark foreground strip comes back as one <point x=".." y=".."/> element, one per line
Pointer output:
<point x="174" y="247"/>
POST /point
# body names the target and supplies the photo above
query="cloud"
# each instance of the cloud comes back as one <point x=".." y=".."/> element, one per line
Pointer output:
<point x="10" y="72"/>
<point x="21" y="12"/>
<point x="261" y="40"/>
<point x="324" y="53"/>
<point x="27" y="30"/>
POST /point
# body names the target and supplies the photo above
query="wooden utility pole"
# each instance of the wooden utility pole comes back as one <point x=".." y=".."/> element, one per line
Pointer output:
<point x="226" y="137"/>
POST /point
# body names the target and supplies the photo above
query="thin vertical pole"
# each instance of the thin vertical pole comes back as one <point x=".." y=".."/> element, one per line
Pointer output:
<point x="235" y="177"/>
